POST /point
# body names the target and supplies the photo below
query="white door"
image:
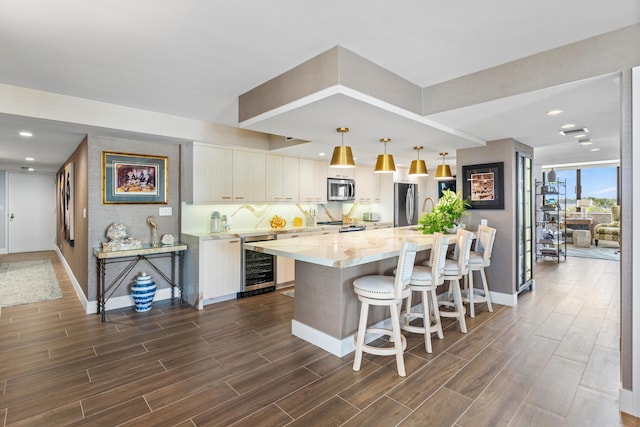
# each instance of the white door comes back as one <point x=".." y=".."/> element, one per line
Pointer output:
<point x="31" y="210"/>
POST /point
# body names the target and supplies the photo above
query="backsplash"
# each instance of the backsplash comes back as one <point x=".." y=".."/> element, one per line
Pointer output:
<point x="196" y="218"/>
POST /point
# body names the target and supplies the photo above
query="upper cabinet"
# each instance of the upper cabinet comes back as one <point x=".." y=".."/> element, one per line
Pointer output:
<point x="248" y="176"/>
<point x="367" y="185"/>
<point x="282" y="179"/>
<point x="207" y="174"/>
<point x="340" y="172"/>
<point x="313" y="181"/>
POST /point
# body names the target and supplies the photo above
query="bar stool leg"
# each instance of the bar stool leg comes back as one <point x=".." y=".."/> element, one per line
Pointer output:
<point x="362" y="327"/>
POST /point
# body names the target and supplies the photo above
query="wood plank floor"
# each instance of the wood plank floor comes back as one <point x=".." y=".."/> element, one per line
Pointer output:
<point x="552" y="360"/>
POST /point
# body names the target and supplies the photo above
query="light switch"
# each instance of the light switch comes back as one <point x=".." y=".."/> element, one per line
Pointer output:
<point x="166" y="211"/>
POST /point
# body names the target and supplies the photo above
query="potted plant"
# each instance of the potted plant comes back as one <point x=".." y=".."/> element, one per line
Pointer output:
<point x="445" y="216"/>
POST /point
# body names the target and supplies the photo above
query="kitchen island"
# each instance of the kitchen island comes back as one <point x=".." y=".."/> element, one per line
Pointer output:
<point x="325" y="307"/>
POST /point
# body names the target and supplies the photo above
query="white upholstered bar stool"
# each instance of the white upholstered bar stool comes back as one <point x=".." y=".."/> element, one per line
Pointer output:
<point x="385" y="291"/>
<point x="454" y="270"/>
<point x="479" y="259"/>
<point x="425" y="280"/>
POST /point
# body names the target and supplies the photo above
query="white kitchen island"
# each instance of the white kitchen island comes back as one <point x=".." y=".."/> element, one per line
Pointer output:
<point x="325" y="307"/>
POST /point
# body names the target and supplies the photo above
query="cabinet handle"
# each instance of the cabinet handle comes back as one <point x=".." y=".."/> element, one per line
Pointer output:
<point x="295" y="235"/>
<point x="239" y="197"/>
<point x="234" y="241"/>
<point x="288" y="198"/>
<point x="225" y="197"/>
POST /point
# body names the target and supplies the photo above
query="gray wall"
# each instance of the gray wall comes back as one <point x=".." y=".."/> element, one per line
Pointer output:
<point x="134" y="216"/>
<point x="3" y="211"/>
<point x="502" y="273"/>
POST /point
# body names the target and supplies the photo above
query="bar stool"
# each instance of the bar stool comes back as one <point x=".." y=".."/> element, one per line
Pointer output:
<point x="479" y="258"/>
<point x="385" y="291"/>
<point x="425" y="280"/>
<point x="454" y="270"/>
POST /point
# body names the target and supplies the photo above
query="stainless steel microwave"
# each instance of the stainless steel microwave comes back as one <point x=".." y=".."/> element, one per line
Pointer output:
<point x="340" y="189"/>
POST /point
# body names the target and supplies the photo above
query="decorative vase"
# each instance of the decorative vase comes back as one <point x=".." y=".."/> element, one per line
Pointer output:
<point x="551" y="176"/>
<point x="143" y="291"/>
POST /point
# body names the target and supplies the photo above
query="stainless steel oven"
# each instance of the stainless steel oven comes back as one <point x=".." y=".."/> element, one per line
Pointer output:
<point x="258" y="269"/>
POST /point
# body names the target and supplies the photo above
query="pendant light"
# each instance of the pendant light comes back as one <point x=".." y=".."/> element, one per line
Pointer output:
<point x="385" y="163"/>
<point x="418" y="167"/>
<point x="444" y="171"/>
<point x="342" y="156"/>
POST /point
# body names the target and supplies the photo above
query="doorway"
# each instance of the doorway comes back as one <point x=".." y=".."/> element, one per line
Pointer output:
<point x="31" y="212"/>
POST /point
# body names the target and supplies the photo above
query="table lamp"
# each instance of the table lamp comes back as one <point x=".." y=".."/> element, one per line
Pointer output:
<point x="583" y="204"/>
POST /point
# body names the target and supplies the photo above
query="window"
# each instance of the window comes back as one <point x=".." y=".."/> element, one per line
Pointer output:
<point x="599" y="184"/>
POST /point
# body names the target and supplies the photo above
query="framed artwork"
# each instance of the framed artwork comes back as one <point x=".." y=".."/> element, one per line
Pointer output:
<point x="134" y="178"/>
<point x="66" y="206"/>
<point x="483" y="185"/>
<point x="449" y="184"/>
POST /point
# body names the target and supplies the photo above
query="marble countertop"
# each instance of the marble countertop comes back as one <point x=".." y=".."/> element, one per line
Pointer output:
<point x="344" y="249"/>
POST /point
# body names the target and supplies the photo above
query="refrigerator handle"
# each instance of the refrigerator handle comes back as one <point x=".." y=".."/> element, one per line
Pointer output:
<point x="409" y="205"/>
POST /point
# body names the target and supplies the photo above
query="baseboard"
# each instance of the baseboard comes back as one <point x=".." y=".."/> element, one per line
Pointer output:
<point x="510" y="300"/>
<point x="76" y="285"/>
<point x="4" y="251"/>
<point x="335" y="346"/>
<point x="127" y="300"/>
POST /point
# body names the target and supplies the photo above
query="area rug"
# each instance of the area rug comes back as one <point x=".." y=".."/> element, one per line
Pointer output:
<point x="596" y="252"/>
<point x="26" y="282"/>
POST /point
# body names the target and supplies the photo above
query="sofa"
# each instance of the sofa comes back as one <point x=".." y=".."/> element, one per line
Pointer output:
<point x="611" y="230"/>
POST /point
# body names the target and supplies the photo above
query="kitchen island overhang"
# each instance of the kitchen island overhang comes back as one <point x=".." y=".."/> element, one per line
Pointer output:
<point x="325" y="306"/>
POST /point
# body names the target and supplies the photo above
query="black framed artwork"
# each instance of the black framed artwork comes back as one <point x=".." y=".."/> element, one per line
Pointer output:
<point x="449" y="184"/>
<point x="483" y="185"/>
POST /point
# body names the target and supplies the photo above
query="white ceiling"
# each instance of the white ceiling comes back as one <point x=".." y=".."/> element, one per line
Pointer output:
<point x="193" y="58"/>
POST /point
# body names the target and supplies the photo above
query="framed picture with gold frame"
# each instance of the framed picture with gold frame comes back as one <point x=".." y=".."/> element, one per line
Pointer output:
<point x="134" y="178"/>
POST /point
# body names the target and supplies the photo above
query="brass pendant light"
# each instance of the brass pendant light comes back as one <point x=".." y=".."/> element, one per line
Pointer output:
<point x="444" y="171"/>
<point x="342" y="156"/>
<point x="418" y="167"/>
<point x="385" y="163"/>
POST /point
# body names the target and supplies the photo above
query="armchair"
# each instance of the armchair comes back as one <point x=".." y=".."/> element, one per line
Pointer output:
<point x="609" y="231"/>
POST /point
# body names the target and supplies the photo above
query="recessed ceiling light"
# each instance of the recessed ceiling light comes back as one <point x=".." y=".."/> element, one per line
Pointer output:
<point x="322" y="154"/>
<point x="585" y="142"/>
<point x="580" y="135"/>
<point x="30" y="169"/>
<point x="595" y="149"/>
<point x="26" y="134"/>
<point x="554" y="112"/>
<point x="568" y="126"/>
<point x="29" y="159"/>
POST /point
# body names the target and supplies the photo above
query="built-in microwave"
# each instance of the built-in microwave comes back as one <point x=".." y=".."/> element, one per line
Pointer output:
<point x="339" y="189"/>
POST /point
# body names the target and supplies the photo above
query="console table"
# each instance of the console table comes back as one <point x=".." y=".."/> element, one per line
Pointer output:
<point x="147" y="253"/>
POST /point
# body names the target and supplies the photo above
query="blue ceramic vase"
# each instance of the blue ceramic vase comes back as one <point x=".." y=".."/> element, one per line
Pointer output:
<point x="143" y="291"/>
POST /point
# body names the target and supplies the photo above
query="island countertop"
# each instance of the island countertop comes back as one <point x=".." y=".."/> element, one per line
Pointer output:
<point x="344" y="249"/>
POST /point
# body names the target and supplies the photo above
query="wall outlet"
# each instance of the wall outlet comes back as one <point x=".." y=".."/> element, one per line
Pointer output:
<point x="166" y="211"/>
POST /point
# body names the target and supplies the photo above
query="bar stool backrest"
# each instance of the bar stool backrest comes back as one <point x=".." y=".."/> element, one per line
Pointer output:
<point x="405" y="267"/>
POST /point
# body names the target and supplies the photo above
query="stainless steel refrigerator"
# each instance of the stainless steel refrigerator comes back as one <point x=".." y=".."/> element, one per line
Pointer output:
<point x="405" y="211"/>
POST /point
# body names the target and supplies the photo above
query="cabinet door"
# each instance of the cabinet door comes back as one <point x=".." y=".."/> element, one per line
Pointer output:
<point x="209" y="170"/>
<point x="274" y="178"/>
<point x="220" y="271"/>
<point x="319" y="181"/>
<point x="290" y="179"/>
<point x="248" y="177"/>
<point x="348" y="173"/>
<point x="286" y="267"/>
<point x="305" y="176"/>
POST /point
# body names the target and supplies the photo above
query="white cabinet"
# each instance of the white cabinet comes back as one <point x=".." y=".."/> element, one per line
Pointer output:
<point x="207" y="174"/>
<point x="367" y="185"/>
<point x="313" y="181"/>
<point x="340" y="172"/>
<point x="220" y="273"/>
<point x="286" y="267"/>
<point x="248" y="176"/>
<point x="282" y="179"/>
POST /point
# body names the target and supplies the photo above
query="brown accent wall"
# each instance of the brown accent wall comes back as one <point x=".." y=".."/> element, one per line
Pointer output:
<point x="76" y="255"/>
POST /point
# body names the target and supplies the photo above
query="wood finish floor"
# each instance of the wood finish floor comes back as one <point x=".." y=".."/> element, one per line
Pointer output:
<point x="552" y="360"/>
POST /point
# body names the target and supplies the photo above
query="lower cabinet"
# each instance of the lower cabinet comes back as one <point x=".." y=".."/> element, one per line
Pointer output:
<point x="221" y="269"/>
<point x="212" y="269"/>
<point x="286" y="267"/>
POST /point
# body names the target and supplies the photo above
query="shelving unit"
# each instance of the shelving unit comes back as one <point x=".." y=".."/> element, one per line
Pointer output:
<point x="551" y="207"/>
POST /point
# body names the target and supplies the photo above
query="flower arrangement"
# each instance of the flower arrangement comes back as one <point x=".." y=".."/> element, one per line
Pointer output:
<point x="445" y="215"/>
